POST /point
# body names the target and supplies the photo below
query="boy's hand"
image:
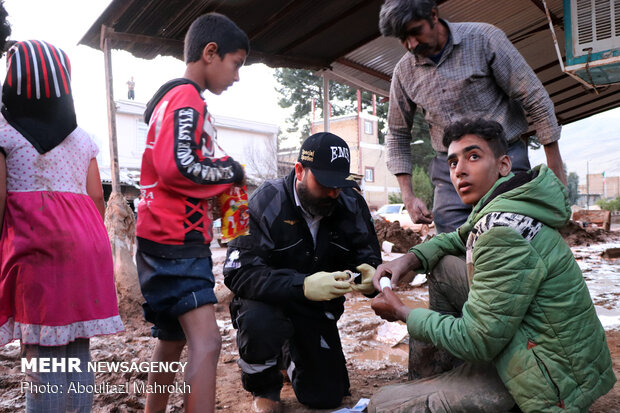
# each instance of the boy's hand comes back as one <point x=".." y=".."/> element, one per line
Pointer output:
<point x="388" y="306"/>
<point x="395" y="269"/>
<point x="325" y="286"/>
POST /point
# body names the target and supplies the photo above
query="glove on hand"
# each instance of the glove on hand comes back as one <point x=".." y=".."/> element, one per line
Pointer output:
<point x="325" y="286"/>
<point x="365" y="287"/>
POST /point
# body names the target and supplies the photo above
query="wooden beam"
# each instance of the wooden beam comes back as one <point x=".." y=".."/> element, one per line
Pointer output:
<point x="274" y="60"/>
<point x="601" y="108"/>
<point x="326" y="108"/>
<point x="107" y="58"/>
<point x="364" y="69"/>
<point x="329" y="23"/>
<point x="145" y="40"/>
<point x="596" y="110"/>
<point x="554" y="19"/>
<point x="288" y="9"/>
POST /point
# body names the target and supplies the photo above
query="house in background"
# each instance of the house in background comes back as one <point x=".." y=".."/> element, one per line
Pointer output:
<point x="598" y="187"/>
<point x="360" y="131"/>
<point x="250" y="143"/>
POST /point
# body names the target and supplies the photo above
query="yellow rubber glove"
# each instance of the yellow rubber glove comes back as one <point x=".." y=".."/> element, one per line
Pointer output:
<point x="365" y="287"/>
<point x="325" y="286"/>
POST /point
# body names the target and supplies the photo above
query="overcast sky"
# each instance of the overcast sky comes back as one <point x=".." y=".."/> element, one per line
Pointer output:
<point x="64" y="22"/>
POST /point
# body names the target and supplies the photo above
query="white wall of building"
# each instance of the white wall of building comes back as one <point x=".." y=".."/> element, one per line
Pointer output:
<point x="250" y="143"/>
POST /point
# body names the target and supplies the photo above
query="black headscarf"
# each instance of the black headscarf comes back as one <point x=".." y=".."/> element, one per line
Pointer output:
<point x="36" y="94"/>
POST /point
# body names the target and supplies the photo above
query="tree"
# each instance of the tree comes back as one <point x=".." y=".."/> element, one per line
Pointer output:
<point x="395" y="198"/>
<point x="422" y="186"/>
<point x="423" y="153"/>
<point x="297" y="89"/>
<point x="261" y="160"/>
<point x="573" y="187"/>
<point x="609" y="205"/>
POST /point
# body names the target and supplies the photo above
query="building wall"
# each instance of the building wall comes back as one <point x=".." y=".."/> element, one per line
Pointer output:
<point x="130" y="134"/>
<point x="610" y="189"/>
<point x="383" y="183"/>
<point x="250" y="143"/>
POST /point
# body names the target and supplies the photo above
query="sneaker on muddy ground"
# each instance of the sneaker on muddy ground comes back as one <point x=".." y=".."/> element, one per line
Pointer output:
<point x="265" y="405"/>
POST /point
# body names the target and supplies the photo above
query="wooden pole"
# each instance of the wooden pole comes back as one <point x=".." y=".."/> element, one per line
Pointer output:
<point x="325" y="103"/>
<point x="107" y="58"/>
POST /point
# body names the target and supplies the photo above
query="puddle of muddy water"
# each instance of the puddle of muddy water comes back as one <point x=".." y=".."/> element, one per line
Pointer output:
<point x="393" y="355"/>
<point x="602" y="276"/>
<point x="371" y="342"/>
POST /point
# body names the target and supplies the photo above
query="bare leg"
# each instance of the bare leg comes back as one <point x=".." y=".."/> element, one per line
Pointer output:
<point x="165" y="351"/>
<point x="203" y="344"/>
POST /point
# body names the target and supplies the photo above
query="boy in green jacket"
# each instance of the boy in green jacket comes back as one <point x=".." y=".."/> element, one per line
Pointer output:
<point x="521" y="317"/>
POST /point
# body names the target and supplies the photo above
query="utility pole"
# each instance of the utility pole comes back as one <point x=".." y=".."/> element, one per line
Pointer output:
<point x="587" y="184"/>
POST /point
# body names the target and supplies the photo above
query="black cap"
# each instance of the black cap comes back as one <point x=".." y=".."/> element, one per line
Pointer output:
<point x="329" y="158"/>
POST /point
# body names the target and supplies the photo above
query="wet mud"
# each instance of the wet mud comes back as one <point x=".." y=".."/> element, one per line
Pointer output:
<point x="376" y="351"/>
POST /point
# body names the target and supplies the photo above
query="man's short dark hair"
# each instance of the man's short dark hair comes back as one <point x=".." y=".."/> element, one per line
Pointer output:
<point x="489" y="130"/>
<point x="396" y="14"/>
<point x="5" y="27"/>
<point x="216" y="28"/>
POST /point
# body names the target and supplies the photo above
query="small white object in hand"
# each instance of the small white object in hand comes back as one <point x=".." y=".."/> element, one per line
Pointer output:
<point x="352" y="275"/>
<point x="385" y="282"/>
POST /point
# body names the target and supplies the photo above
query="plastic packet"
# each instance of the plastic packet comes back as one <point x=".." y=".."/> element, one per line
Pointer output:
<point x="234" y="212"/>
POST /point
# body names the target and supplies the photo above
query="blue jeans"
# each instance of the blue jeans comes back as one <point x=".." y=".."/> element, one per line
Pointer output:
<point x="448" y="210"/>
<point x="172" y="287"/>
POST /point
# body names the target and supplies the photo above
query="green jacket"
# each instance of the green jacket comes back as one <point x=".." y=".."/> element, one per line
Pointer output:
<point x="528" y="310"/>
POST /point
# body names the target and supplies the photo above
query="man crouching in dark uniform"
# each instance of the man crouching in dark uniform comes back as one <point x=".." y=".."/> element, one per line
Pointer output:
<point x="289" y="278"/>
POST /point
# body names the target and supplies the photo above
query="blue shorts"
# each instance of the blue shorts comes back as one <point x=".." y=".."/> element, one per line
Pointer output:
<point x="172" y="287"/>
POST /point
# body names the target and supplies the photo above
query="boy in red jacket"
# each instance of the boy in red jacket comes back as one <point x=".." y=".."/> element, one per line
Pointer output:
<point x="174" y="230"/>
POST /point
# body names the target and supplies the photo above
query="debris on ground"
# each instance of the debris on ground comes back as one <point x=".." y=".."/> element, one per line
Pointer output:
<point x="376" y="351"/>
<point x="402" y="238"/>
<point x="611" y="253"/>
<point x="574" y="234"/>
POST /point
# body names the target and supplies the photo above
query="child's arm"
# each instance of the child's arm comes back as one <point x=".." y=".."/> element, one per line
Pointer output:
<point x="177" y="152"/>
<point x="2" y="188"/>
<point x="430" y="252"/>
<point x="94" y="188"/>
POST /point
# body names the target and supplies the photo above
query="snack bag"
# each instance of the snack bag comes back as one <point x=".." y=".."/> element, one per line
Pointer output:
<point x="234" y="213"/>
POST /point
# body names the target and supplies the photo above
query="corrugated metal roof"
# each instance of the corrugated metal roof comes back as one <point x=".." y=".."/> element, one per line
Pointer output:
<point x="341" y="36"/>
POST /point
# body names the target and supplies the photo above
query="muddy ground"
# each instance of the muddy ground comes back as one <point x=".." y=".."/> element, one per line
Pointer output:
<point x="376" y="351"/>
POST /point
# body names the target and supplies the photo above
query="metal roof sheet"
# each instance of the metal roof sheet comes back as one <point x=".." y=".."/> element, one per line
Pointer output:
<point x="342" y="38"/>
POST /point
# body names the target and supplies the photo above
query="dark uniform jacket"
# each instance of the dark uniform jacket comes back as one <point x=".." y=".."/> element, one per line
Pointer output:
<point x="272" y="262"/>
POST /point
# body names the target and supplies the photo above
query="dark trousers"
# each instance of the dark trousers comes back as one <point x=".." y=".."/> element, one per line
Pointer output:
<point x="271" y="337"/>
<point x="449" y="211"/>
<point x="442" y="382"/>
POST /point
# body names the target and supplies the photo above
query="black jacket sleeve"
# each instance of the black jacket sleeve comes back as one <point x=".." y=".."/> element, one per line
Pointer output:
<point x="246" y="269"/>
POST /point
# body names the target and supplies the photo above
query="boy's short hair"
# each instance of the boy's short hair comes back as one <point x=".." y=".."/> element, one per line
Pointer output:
<point x="396" y="14"/>
<point x="216" y="28"/>
<point x="489" y="130"/>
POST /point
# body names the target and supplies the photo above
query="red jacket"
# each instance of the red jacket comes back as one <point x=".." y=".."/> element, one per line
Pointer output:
<point x="179" y="173"/>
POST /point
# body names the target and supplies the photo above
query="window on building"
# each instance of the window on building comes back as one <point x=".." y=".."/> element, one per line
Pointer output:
<point x="369" y="174"/>
<point x="141" y="131"/>
<point x="368" y="127"/>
